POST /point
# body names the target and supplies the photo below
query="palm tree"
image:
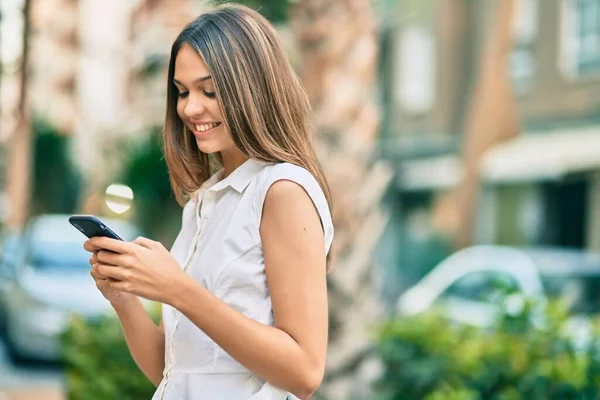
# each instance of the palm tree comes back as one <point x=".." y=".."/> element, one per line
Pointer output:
<point x="3" y="213"/>
<point x="492" y="116"/>
<point x="19" y="152"/>
<point x="337" y="46"/>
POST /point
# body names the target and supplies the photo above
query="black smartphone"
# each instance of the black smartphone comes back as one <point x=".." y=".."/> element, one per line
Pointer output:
<point x="91" y="226"/>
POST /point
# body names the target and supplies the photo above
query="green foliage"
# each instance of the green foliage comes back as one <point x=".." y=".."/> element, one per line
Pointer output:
<point x="98" y="362"/>
<point x="524" y="356"/>
<point x="145" y="171"/>
<point x="447" y="392"/>
<point x="273" y="10"/>
<point x="55" y="182"/>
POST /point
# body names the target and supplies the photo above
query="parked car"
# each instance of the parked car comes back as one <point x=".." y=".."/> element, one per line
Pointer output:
<point x="467" y="284"/>
<point x="44" y="280"/>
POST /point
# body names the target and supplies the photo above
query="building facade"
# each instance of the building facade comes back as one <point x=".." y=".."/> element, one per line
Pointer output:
<point x="539" y="188"/>
<point x="543" y="187"/>
<point x="96" y="73"/>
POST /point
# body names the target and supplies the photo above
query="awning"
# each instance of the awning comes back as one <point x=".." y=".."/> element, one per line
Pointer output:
<point x="547" y="155"/>
<point x="432" y="173"/>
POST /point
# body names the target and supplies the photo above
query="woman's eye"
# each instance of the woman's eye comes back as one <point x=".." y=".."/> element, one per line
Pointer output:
<point x="211" y="95"/>
<point x="182" y="94"/>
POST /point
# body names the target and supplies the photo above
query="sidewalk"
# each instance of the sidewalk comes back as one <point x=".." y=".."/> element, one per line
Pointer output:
<point x="40" y="393"/>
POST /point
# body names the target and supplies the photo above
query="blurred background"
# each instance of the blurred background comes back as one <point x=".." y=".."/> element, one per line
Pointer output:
<point x="461" y="140"/>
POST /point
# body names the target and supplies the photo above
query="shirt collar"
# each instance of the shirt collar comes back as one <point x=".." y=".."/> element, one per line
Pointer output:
<point x="240" y="178"/>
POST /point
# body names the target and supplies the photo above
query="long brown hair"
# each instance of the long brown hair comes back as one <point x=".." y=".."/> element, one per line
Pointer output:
<point x="265" y="107"/>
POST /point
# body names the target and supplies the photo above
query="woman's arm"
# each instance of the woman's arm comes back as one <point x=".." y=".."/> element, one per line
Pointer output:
<point x="292" y="354"/>
<point x="145" y="340"/>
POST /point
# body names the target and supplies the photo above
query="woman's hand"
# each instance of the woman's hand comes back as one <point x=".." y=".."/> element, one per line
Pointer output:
<point x="142" y="268"/>
<point x="115" y="297"/>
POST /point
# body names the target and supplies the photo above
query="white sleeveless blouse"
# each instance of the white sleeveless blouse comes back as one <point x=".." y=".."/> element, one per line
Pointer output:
<point x="219" y="245"/>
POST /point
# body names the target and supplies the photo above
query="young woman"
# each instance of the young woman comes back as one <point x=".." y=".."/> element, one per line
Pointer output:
<point x="244" y="286"/>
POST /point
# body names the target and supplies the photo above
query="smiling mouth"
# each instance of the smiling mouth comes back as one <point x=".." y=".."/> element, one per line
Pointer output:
<point x="204" y="128"/>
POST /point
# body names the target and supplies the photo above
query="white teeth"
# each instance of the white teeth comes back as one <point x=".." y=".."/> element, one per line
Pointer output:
<point x="206" y="127"/>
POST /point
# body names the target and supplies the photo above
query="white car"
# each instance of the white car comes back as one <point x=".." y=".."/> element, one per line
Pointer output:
<point x="44" y="280"/>
<point x="463" y="285"/>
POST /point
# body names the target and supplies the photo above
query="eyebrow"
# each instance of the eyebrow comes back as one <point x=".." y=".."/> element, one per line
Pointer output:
<point x="196" y="82"/>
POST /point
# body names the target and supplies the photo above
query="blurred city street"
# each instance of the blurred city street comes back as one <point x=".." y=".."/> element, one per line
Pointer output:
<point x="461" y="143"/>
<point x="30" y="381"/>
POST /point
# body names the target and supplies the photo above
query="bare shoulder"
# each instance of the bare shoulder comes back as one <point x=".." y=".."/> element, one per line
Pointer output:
<point x="285" y="190"/>
<point x="287" y="202"/>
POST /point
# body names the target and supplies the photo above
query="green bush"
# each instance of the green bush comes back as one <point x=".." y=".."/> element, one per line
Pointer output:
<point x="56" y="183"/>
<point x="275" y="11"/>
<point x="523" y="356"/>
<point x="98" y="363"/>
<point x="156" y="211"/>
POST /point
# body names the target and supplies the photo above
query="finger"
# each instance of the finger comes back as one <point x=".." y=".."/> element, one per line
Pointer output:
<point x="94" y="258"/>
<point x="95" y="274"/>
<point x="110" y="281"/>
<point x="109" y="257"/>
<point x="145" y="242"/>
<point x="102" y="284"/>
<point x="111" y="271"/>
<point x="120" y="286"/>
<point x="117" y="246"/>
<point x="88" y="245"/>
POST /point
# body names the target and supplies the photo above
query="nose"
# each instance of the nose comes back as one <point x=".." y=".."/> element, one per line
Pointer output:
<point x="193" y="106"/>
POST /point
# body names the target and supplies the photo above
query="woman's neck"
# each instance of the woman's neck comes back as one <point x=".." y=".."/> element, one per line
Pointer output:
<point x="232" y="160"/>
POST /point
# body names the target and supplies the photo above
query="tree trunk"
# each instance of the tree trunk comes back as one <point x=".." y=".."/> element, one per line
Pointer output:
<point x="337" y="45"/>
<point x="19" y="154"/>
<point x="491" y="118"/>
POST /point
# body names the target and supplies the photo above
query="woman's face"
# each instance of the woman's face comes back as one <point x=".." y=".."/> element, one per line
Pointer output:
<point x="197" y="103"/>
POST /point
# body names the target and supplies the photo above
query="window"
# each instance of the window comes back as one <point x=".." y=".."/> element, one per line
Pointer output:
<point x="415" y="55"/>
<point x="566" y="219"/>
<point x="482" y="285"/>
<point x="580" y="52"/>
<point x="522" y="60"/>
<point x="580" y="293"/>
